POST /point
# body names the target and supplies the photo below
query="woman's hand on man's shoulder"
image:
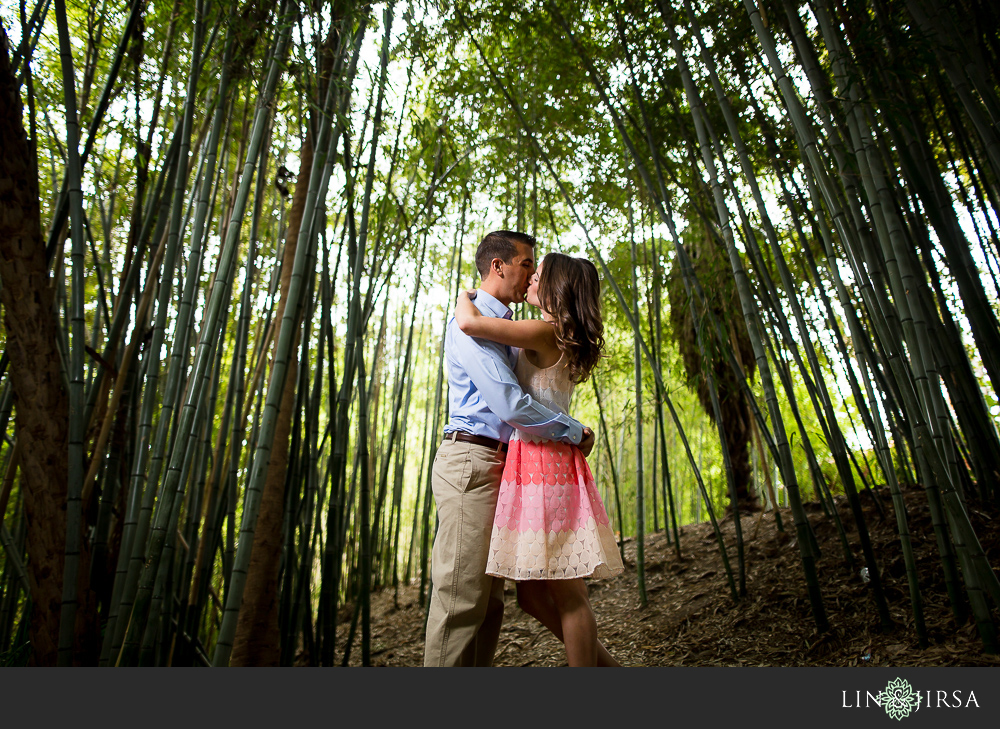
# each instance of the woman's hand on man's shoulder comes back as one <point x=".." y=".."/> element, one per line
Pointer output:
<point x="465" y="311"/>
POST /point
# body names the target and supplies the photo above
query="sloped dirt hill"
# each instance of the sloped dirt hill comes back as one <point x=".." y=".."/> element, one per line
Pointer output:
<point x="690" y="618"/>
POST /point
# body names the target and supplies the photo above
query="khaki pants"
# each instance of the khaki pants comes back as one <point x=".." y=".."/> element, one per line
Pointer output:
<point x="466" y="610"/>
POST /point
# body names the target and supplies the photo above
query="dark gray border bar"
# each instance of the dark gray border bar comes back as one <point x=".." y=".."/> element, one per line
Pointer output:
<point x="538" y="698"/>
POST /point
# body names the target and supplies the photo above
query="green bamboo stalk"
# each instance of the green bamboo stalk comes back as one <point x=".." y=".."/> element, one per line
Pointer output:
<point x="640" y="496"/>
<point x="234" y="423"/>
<point x="963" y="387"/>
<point x="400" y="471"/>
<point x="135" y="494"/>
<point x="455" y="264"/>
<point x="397" y="398"/>
<point x="30" y="32"/>
<point x="864" y="358"/>
<point x="67" y="615"/>
<point x="111" y="487"/>
<point x="656" y="351"/>
<point x="12" y="557"/>
<point x="296" y="485"/>
<point x="415" y="525"/>
<point x="63" y="206"/>
<point x="364" y="588"/>
<point x="13" y="586"/>
<point x="332" y="552"/>
<point x="948" y="48"/>
<point x="283" y="346"/>
<point x="933" y="452"/>
<point x="194" y="579"/>
<point x="670" y="511"/>
<point x="815" y="385"/>
<point x="113" y="639"/>
<point x="302" y="613"/>
<point x="784" y="456"/>
<point x="611" y="465"/>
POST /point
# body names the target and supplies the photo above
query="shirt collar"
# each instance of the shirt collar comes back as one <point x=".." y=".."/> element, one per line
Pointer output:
<point x="489" y="304"/>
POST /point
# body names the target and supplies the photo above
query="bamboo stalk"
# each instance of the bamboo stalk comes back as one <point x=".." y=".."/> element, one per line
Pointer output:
<point x="74" y="516"/>
<point x="276" y="386"/>
<point x="640" y="496"/>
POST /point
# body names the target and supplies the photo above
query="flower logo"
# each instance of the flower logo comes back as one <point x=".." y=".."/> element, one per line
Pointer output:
<point x="898" y="699"/>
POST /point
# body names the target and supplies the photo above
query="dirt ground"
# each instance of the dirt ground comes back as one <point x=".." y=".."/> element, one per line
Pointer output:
<point x="691" y="619"/>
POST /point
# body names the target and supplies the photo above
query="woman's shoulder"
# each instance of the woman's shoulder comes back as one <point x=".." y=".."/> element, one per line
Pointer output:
<point x="543" y="361"/>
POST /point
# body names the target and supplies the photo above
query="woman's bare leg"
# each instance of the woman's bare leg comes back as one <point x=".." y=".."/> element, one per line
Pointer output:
<point x="535" y="598"/>
<point x="578" y="622"/>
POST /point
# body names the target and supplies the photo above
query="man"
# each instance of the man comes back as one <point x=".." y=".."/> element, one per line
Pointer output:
<point x="485" y="405"/>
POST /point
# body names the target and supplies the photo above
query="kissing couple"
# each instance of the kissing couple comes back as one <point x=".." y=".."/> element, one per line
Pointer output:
<point x="515" y="497"/>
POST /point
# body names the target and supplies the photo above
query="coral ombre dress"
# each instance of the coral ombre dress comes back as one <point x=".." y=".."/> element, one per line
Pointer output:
<point x="550" y="522"/>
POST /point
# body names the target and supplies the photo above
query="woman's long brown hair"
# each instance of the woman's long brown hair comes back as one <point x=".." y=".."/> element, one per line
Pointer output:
<point x="570" y="291"/>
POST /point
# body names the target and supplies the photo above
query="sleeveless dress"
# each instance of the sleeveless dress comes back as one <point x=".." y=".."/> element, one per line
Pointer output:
<point x="550" y="522"/>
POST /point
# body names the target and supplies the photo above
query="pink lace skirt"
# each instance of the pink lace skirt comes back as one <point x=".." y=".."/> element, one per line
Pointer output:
<point x="550" y="522"/>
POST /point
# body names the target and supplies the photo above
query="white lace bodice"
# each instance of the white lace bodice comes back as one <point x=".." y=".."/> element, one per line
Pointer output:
<point x="551" y="386"/>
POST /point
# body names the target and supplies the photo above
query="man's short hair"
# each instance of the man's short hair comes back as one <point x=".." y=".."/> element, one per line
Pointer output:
<point x="500" y="244"/>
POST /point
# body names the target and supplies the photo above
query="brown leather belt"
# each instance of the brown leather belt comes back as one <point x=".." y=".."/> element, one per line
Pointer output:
<point x="476" y="440"/>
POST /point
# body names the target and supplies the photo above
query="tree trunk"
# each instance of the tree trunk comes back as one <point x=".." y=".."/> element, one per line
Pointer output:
<point x="258" y="639"/>
<point x="41" y="404"/>
<point x="710" y="266"/>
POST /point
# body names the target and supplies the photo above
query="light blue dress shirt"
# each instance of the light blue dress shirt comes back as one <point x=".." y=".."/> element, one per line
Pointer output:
<point x="484" y="395"/>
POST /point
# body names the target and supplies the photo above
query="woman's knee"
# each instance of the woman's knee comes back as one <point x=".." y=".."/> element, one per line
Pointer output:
<point x="569" y="594"/>
<point x="531" y="597"/>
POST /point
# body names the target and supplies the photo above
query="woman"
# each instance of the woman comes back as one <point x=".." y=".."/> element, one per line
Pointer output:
<point x="551" y="529"/>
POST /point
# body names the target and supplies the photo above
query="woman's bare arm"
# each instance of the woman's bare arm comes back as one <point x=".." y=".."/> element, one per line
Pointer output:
<point x="533" y="334"/>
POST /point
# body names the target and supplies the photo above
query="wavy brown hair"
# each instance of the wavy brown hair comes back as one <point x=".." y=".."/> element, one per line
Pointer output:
<point x="570" y="291"/>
